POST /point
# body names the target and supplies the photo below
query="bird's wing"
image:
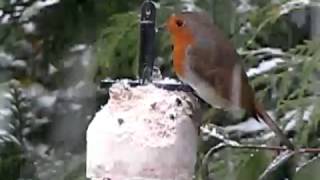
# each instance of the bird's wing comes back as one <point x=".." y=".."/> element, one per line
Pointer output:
<point x="223" y="71"/>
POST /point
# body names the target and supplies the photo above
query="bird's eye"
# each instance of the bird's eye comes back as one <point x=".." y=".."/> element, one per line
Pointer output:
<point x="179" y="23"/>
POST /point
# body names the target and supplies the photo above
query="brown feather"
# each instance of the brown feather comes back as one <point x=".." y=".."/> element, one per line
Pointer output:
<point x="214" y="60"/>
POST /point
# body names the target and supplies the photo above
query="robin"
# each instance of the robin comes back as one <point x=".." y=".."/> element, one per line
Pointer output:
<point x="207" y="61"/>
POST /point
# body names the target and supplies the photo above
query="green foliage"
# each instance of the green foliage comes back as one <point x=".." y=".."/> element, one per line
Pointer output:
<point x="77" y="172"/>
<point x="11" y="160"/>
<point x="253" y="166"/>
<point x="235" y="165"/>
<point x="22" y="118"/>
<point x="117" y="46"/>
<point x="13" y="156"/>
<point x="309" y="171"/>
<point x="305" y="59"/>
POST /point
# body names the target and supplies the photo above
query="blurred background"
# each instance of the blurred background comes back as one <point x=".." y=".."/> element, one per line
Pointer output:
<point x="54" y="53"/>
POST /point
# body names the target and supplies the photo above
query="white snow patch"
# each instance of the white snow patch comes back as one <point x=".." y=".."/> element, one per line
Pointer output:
<point x="29" y="27"/>
<point x="244" y="6"/>
<point x="293" y="119"/>
<point x="45" y="3"/>
<point x="168" y="81"/>
<point x="35" y="8"/>
<point x="214" y="133"/>
<point x="266" y="50"/>
<point x="3" y="132"/>
<point x="75" y="106"/>
<point x="264" y="67"/>
<point x="52" y="69"/>
<point x="293" y="4"/>
<point x="18" y="8"/>
<point x="188" y="5"/>
<point x="307" y="113"/>
<point x="251" y="125"/>
<point x="5" y="59"/>
<point x="5" y="56"/>
<point x="21" y="64"/>
<point x="78" y="47"/>
<point x="47" y="101"/>
<point x="41" y="150"/>
<point x="5" y="112"/>
<point x="156" y="4"/>
<point x="5" y="19"/>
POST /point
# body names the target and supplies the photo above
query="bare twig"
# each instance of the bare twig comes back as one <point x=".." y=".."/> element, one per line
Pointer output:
<point x="234" y="144"/>
<point x="285" y="155"/>
<point x="274" y="148"/>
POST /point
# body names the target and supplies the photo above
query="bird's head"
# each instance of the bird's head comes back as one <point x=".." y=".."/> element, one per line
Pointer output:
<point x="179" y="28"/>
<point x="186" y="27"/>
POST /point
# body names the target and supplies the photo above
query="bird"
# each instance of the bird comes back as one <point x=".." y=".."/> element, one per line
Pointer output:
<point x="206" y="60"/>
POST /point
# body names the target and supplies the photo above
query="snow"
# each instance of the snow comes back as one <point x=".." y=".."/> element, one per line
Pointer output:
<point x="7" y="137"/>
<point x="293" y="4"/>
<point x="5" y="60"/>
<point x="47" y="101"/>
<point x="29" y="27"/>
<point x="5" y="112"/>
<point x="266" y="50"/>
<point x="264" y="67"/>
<point x="21" y="64"/>
<point x="35" y="8"/>
<point x="293" y="117"/>
<point x="41" y="4"/>
<point x="307" y="113"/>
<point x="214" y="133"/>
<point x="35" y="90"/>
<point x="78" y="47"/>
<point x="156" y="4"/>
<point x="16" y="14"/>
<point x="244" y="6"/>
<point x="86" y="58"/>
<point x="18" y="8"/>
<point x="41" y="150"/>
<point x="251" y="125"/>
<point x="188" y="5"/>
<point x="5" y="19"/>
<point x="52" y="69"/>
<point x="3" y="133"/>
<point x="167" y="81"/>
<point x="75" y="106"/>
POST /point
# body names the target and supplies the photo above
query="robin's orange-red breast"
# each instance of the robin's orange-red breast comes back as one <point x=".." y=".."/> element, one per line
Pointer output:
<point x="207" y="61"/>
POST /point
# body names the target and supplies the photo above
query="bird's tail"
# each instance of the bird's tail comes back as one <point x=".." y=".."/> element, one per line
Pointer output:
<point x="262" y="114"/>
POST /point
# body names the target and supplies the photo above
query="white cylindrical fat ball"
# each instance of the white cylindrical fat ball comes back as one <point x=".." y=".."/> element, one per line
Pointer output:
<point x="143" y="133"/>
